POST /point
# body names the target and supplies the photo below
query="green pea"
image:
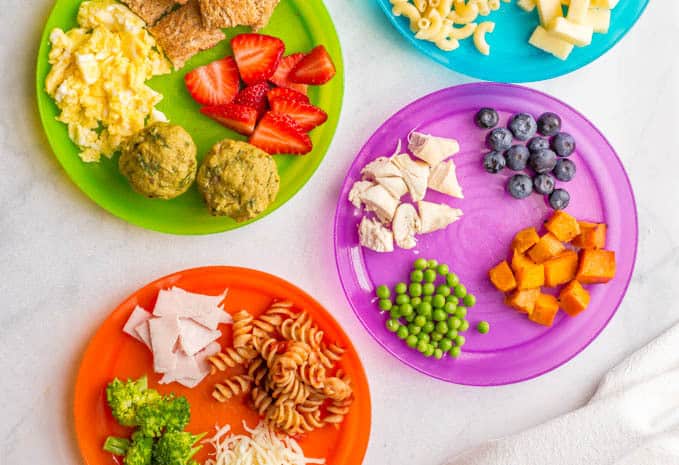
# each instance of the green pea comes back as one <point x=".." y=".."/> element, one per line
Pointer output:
<point x="428" y="327"/>
<point x="438" y="301"/>
<point x="422" y="345"/>
<point x="427" y="298"/>
<point x="420" y="321"/>
<point x="454" y="322"/>
<point x="439" y="315"/>
<point x="415" y="301"/>
<point x="429" y="276"/>
<point x="402" y="332"/>
<point x="452" y="333"/>
<point x="424" y="309"/>
<point x="436" y="336"/>
<point x="424" y="337"/>
<point x="443" y="290"/>
<point x="410" y="318"/>
<point x="464" y="326"/>
<point x="455" y="352"/>
<point x="460" y="340"/>
<point x="416" y="276"/>
<point x="428" y="289"/>
<point x="420" y="264"/>
<point x="433" y="263"/>
<point x="395" y="313"/>
<point x="414" y="329"/>
<point x="406" y="310"/>
<point x="383" y="292"/>
<point x="445" y="344"/>
<point x="430" y="351"/>
<point x="438" y="354"/>
<point x="434" y="344"/>
<point x="460" y="291"/>
<point x="469" y="300"/>
<point x="442" y="327"/>
<point x="385" y="304"/>
<point x="483" y="327"/>
<point x="402" y="299"/>
<point x="411" y="340"/>
<point x="415" y="289"/>
<point x="452" y="299"/>
<point x="461" y="312"/>
<point x="449" y="307"/>
<point x="443" y="269"/>
<point x="401" y="288"/>
<point x="392" y="325"/>
<point x="452" y="279"/>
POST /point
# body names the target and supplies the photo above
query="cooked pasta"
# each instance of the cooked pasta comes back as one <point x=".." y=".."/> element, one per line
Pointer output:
<point x="269" y="323"/>
<point x="258" y="371"/>
<point x="313" y="375"/>
<point x="230" y="387"/>
<point x="242" y="329"/>
<point x="261" y="400"/>
<point x="231" y="357"/>
<point x="337" y="410"/>
<point x="302" y="329"/>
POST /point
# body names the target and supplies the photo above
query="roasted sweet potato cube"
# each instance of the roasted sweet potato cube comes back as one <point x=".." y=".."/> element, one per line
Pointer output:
<point x="519" y="261"/>
<point x="573" y="298"/>
<point x="525" y="239"/>
<point x="502" y="277"/>
<point x="560" y="270"/>
<point x="530" y="277"/>
<point x="523" y="301"/>
<point x="546" y="308"/>
<point x="592" y="236"/>
<point x="596" y="266"/>
<point x="547" y="247"/>
<point x="563" y="226"/>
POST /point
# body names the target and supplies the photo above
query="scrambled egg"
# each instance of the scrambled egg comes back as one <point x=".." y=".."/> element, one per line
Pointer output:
<point x="98" y="75"/>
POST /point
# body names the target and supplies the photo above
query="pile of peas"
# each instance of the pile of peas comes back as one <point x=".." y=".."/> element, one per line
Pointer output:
<point x="429" y="317"/>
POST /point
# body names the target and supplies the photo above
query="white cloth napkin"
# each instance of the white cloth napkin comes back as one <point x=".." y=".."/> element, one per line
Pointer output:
<point x="632" y="419"/>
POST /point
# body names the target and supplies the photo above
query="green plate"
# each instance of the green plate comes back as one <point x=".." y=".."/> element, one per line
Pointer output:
<point x="301" y="24"/>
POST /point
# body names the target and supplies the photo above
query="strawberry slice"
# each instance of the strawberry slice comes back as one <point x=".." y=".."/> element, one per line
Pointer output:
<point x="257" y="56"/>
<point x="277" y="133"/>
<point x="214" y="84"/>
<point x="240" y="118"/>
<point x="280" y="77"/>
<point x="316" y="68"/>
<point x="305" y="115"/>
<point x="287" y="94"/>
<point x="254" y="97"/>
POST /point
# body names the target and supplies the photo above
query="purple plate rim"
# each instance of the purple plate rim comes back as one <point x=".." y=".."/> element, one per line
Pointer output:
<point x="528" y="90"/>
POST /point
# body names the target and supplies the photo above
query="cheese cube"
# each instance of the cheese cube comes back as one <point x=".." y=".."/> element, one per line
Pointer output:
<point x="577" y="11"/>
<point x="526" y="5"/>
<point x="576" y="34"/>
<point x="548" y="11"/>
<point x="543" y="40"/>
<point x="599" y="19"/>
<point x="608" y="4"/>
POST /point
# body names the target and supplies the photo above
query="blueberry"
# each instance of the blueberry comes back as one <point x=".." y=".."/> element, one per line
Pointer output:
<point x="559" y="199"/>
<point x="486" y="118"/>
<point x="517" y="157"/>
<point x="499" y="139"/>
<point x="520" y="186"/>
<point x="538" y="143"/>
<point x="523" y="126"/>
<point x="549" y="124"/>
<point x="544" y="184"/>
<point x="563" y="144"/>
<point x="542" y="161"/>
<point x="494" y="162"/>
<point x="564" y="169"/>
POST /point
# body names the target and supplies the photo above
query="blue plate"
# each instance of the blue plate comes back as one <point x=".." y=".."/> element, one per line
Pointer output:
<point x="512" y="58"/>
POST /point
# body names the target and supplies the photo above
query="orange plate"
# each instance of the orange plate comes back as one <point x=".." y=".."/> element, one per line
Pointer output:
<point x="111" y="353"/>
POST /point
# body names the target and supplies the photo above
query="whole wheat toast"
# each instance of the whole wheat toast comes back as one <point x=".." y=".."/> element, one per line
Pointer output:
<point x="151" y="10"/>
<point x="232" y="13"/>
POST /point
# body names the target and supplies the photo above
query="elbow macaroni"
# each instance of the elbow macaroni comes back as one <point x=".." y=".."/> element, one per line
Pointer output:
<point x="435" y="20"/>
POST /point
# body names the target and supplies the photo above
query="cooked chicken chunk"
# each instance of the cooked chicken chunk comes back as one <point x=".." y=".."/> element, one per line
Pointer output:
<point x="377" y="199"/>
<point x="444" y="179"/>
<point x="374" y="236"/>
<point x="395" y="186"/>
<point x="381" y="167"/>
<point x="357" y="190"/>
<point x="432" y="149"/>
<point x="415" y="174"/>
<point x="406" y="223"/>
<point x="435" y="216"/>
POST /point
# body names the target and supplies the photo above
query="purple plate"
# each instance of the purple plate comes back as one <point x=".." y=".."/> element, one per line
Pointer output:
<point x="516" y="349"/>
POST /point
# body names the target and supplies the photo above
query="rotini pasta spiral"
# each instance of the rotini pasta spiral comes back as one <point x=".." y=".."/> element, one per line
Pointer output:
<point x="336" y="412"/>
<point x="242" y="329"/>
<point x="257" y="370"/>
<point x="230" y="387"/>
<point x="336" y="388"/>
<point x="261" y="400"/>
<point x="302" y="329"/>
<point x="231" y="357"/>
<point x="313" y="375"/>
<point x="269" y="323"/>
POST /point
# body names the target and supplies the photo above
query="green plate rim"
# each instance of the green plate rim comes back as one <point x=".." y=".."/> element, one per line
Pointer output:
<point x="317" y="19"/>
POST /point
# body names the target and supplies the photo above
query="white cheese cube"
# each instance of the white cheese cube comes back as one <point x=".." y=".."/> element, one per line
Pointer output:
<point x="543" y="40"/>
<point x="526" y="5"/>
<point x="599" y="19"/>
<point x="577" y="11"/>
<point x="576" y="34"/>
<point x="549" y="10"/>
<point x="609" y="4"/>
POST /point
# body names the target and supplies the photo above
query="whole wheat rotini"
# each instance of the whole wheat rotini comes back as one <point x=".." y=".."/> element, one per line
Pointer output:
<point x="233" y="386"/>
<point x="242" y="329"/>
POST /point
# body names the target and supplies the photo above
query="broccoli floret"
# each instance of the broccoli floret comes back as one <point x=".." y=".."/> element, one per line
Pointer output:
<point x="140" y="451"/>
<point x="176" y="448"/>
<point x="125" y="398"/>
<point x="167" y="414"/>
<point x="116" y="446"/>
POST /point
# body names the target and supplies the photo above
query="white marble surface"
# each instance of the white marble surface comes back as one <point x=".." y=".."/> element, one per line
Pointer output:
<point x="65" y="262"/>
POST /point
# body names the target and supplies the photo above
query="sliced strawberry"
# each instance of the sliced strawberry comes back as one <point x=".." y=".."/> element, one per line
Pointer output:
<point x="240" y="118"/>
<point x="280" y="77"/>
<point x="257" y="56"/>
<point x="214" y="84"/>
<point x="305" y="115"/>
<point x="287" y="94"/>
<point x="277" y="133"/>
<point x="316" y="68"/>
<point x="254" y="97"/>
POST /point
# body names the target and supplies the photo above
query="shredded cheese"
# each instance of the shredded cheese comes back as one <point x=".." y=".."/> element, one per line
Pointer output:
<point x="262" y="447"/>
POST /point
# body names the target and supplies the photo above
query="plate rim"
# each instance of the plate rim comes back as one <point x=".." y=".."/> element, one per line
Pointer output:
<point x="332" y="124"/>
<point x="539" y="373"/>
<point x="488" y="76"/>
